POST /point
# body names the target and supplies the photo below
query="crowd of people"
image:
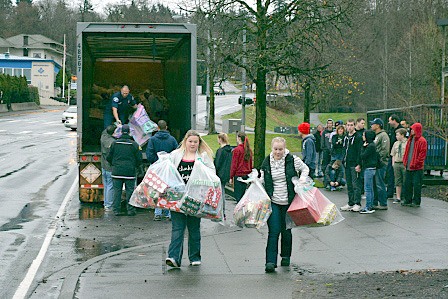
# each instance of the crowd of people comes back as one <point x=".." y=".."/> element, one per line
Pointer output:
<point x="381" y="165"/>
<point x="368" y="161"/>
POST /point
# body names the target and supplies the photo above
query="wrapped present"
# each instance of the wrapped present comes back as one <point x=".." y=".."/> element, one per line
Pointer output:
<point x="328" y="215"/>
<point x="141" y="120"/>
<point x="141" y="198"/>
<point x="190" y="206"/>
<point x="155" y="182"/>
<point x="254" y="208"/>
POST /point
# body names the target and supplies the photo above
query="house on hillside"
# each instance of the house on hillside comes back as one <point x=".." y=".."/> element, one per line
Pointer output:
<point x="33" y="46"/>
<point x="39" y="72"/>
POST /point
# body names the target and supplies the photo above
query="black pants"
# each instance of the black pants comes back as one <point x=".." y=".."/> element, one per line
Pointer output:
<point x="239" y="187"/>
<point x="326" y="159"/>
<point x="412" y="187"/>
<point x="353" y="186"/>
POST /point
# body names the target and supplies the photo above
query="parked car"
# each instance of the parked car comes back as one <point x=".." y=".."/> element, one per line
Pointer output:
<point x="70" y="113"/>
<point x="71" y="123"/>
<point x="219" y="91"/>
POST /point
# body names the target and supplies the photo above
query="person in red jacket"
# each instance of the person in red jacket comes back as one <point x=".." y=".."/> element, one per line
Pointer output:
<point x="414" y="162"/>
<point x="241" y="165"/>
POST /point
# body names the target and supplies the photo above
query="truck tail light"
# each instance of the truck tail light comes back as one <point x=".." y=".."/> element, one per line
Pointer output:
<point x="95" y="158"/>
<point x="84" y="158"/>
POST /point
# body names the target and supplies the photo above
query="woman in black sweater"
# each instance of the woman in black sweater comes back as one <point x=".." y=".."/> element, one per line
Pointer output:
<point x="369" y="160"/>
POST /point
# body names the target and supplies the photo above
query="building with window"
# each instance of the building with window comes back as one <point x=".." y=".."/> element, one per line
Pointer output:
<point x="39" y="72"/>
<point x="33" y="46"/>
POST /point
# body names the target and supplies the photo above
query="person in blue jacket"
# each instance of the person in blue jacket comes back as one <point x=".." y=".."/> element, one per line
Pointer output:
<point x="118" y="108"/>
<point x="162" y="141"/>
<point x="308" y="147"/>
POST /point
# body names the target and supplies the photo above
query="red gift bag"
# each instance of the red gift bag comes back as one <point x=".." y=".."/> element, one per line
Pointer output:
<point x="307" y="207"/>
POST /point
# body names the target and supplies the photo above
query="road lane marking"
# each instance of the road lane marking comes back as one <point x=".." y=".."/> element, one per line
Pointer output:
<point x="49" y="133"/>
<point x="14" y="121"/>
<point x="25" y="285"/>
<point x="24" y="132"/>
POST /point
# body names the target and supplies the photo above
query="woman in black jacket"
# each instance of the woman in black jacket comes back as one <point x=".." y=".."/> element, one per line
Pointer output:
<point x="222" y="163"/>
<point x="369" y="160"/>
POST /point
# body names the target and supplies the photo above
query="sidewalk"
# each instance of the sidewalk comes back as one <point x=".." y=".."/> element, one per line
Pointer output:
<point x="400" y="238"/>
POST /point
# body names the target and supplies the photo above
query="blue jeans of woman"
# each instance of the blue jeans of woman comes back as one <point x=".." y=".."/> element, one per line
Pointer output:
<point x="277" y="227"/>
<point x="179" y="223"/>
<point x="369" y="176"/>
<point x="108" y="192"/>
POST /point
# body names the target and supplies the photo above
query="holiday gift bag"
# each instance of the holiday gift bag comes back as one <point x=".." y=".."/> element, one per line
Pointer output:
<point x="203" y="195"/>
<point x="254" y="208"/>
<point x="310" y="207"/>
<point x="141" y="120"/>
<point x="162" y="186"/>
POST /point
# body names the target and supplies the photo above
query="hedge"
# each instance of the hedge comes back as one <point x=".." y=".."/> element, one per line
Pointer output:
<point x="16" y="90"/>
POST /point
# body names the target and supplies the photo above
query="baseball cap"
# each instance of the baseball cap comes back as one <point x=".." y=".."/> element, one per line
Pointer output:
<point x="338" y="123"/>
<point x="125" y="129"/>
<point x="377" y="121"/>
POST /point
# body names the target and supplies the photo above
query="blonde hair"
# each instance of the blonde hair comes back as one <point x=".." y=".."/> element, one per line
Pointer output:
<point x="223" y="137"/>
<point x="203" y="146"/>
<point x="278" y="139"/>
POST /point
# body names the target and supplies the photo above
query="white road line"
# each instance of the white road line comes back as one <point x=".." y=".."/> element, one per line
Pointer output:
<point x="33" y="121"/>
<point x="14" y="121"/>
<point x="52" y="122"/>
<point x="24" y="286"/>
<point x="24" y="132"/>
<point x="49" y="133"/>
<point x="2" y="131"/>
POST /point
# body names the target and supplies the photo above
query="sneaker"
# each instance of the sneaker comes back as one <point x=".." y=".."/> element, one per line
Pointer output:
<point x="397" y="200"/>
<point x="286" y="261"/>
<point x="195" y="263"/>
<point x="171" y="262"/>
<point x="164" y="217"/>
<point x="381" y="208"/>
<point x="270" y="267"/>
<point x="157" y="218"/>
<point x="327" y="187"/>
<point x="346" y="208"/>
<point x="366" y="211"/>
<point x="356" y="208"/>
<point x="363" y="197"/>
<point x="333" y="189"/>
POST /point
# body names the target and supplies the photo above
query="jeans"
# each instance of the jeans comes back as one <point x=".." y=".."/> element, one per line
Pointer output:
<point x="108" y="188"/>
<point x="319" y="163"/>
<point x="412" y="187"/>
<point x="129" y="185"/>
<point x="379" y="189"/>
<point x="176" y="248"/>
<point x="353" y="186"/>
<point x="369" y="177"/>
<point x="239" y="187"/>
<point x="390" y="179"/>
<point x="160" y="212"/>
<point x="277" y="226"/>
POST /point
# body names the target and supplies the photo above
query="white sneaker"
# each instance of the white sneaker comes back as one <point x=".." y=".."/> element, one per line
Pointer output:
<point x="356" y="208"/>
<point x="363" y="197"/>
<point x="171" y="262"/>
<point x="346" y="208"/>
<point x="195" y="263"/>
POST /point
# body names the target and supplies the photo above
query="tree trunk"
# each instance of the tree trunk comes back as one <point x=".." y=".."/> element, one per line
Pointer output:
<point x="307" y="102"/>
<point x="260" y="118"/>
<point x="211" y="119"/>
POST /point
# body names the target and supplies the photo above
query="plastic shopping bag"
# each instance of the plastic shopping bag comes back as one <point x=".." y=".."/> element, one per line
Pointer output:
<point x="254" y="208"/>
<point x="311" y="208"/>
<point x="141" y="120"/>
<point x="162" y="186"/>
<point x="203" y="196"/>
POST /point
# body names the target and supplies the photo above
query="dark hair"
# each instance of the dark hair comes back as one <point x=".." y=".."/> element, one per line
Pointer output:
<point x="395" y="117"/>
<point x="351" y="120"/>
<point x="162" y="124"/>
<point x="401" y="131"/>
<point x="245" y="141"/>
<point x="359" y="119"/>
<point x="111" y="129"/>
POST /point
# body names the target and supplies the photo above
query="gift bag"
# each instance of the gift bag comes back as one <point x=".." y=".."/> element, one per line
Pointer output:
<point x="203" y="195"/>
<point x="311" y="208"/>
<point x="139" y="136"/>
<point x="161" y="187"/>
<point x="254" y="208"/>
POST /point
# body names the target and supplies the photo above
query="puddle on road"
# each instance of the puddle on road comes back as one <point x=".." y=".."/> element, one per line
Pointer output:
<point x="91" y="211"/>
<point x="25" y="215"/>
<point x="91" y="248"/>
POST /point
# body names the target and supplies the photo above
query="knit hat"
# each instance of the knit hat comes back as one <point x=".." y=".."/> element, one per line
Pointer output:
<point x="125" y="129"/>
<point x="304" y="128"/>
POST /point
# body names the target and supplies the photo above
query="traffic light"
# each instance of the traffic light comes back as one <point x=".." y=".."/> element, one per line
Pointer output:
<point x="248" y="101"/>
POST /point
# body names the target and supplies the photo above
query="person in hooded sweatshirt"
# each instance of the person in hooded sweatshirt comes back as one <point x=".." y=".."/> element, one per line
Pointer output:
<point x="414" y="162"/>
<point x="308" y="147"/>
<point x="223" y="160"/>
<point x="162" y="141"/>
<point x="369" y="162"/>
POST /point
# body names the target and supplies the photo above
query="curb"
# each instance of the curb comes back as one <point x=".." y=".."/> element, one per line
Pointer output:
<point x="70" y="283"/>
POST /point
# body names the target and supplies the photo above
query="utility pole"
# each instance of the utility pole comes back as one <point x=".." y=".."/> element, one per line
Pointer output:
<point x="243" y="92"/>
<point x="63" y="74"/>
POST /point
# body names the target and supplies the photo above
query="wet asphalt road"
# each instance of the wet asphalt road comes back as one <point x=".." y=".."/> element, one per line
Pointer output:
<point x="37" y="158"/>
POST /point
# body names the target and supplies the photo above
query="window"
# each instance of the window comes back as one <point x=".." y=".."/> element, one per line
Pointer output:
<point x="25" y="52"/>
<point x="18" y="72"/>
<point x="37" y="55"/>
<point x="27" y="74"/>
<point x="8" y="71"/>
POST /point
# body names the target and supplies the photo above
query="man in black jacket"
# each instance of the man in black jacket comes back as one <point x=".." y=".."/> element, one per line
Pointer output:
<point x="125" y="157"/>
<point x="394" y="123"/>
<point x="353" y="144"/>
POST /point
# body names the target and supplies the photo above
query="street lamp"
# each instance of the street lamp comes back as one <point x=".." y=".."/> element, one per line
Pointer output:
<point x="243" y="92"/>
<point x="443" y="23"/>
